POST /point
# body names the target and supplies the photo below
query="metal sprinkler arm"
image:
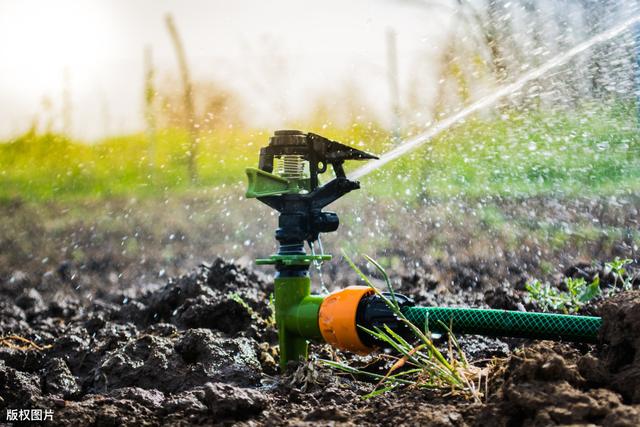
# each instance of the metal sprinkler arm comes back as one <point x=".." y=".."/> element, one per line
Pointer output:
<point x="301" y="216"/>
<point x="294" y="190"/>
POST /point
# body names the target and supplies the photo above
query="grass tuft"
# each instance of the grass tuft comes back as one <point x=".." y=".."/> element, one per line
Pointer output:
<point x="419" y="363"/>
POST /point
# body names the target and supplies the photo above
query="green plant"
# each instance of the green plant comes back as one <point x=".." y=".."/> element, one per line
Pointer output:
<point x="619" y="272"/>
<point x="579" y="292"/>
<point x="546" y="296"/>
<point x="420" y="364"/>
<point x="550" y="298"/>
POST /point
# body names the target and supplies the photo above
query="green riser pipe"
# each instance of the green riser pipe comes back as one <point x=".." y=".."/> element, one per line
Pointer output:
<point x="296" y="317"/>
<point x="504" y="323"/>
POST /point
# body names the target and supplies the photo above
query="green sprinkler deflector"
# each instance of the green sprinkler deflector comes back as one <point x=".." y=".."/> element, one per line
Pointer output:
<point x="287" y="180"/>
<point x="263" y="183"/>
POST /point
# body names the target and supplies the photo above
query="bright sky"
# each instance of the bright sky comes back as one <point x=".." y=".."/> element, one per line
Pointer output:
<point x="323" y="44"/>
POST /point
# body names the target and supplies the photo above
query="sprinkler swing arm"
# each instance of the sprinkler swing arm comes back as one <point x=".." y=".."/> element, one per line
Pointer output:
<point x="296" y="193"/>
<point x="294" y="190"/>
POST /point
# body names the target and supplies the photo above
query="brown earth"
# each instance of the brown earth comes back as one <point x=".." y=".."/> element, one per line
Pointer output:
<point x="119" y="343"/>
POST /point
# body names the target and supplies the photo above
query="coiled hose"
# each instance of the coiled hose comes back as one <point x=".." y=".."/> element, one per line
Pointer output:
<point x="559" y="327"/>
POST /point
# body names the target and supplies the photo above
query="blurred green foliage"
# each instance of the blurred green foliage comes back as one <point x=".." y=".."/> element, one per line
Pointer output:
<point x="595" y="151"/>
<point x="592" y="152"/>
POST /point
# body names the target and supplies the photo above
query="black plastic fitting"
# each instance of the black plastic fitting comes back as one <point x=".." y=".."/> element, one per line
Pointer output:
<point x="373" y="312"/>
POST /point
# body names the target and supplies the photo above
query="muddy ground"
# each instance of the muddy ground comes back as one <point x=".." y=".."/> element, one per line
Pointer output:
<point x="134" y="334"/>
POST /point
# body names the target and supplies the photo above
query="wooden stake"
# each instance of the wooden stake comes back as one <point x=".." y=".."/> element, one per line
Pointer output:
<point x="191" y="124"/>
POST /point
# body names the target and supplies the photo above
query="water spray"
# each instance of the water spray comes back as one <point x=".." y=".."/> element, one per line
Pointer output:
<point x="496" y="95"/>
<point x="287" y="180"/>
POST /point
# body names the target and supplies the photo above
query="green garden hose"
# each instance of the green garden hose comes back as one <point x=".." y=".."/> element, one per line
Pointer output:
<point x="505" y="323"/>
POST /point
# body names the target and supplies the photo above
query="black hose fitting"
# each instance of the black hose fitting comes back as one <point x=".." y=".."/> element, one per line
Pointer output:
<point x="374" y="312"/>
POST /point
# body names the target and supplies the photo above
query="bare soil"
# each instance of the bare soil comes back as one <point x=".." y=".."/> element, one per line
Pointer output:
<point x="119" y="342"/>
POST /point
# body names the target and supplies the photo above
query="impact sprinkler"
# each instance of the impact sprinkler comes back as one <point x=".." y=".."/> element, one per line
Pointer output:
<point x="294" y="190"/>
<point x="287" y="180"/>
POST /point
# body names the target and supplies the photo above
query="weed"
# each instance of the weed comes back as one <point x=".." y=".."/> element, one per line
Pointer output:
<point x="619" y="272"/>
<point x="578" y="293"/>
<point x="419" y="364"/>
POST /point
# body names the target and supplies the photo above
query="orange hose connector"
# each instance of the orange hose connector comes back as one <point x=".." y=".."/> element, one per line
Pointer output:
<point x="337" y="319"/>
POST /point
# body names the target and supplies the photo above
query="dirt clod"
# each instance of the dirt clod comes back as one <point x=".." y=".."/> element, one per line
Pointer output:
<point x="224" y="400"/>
<point x="541" y="385"/>
<point x="618" y="361"/>
<point x="57" y="379"/>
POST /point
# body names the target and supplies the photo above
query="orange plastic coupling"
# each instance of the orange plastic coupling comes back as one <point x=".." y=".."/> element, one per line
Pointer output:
<point x="337" y="319"/>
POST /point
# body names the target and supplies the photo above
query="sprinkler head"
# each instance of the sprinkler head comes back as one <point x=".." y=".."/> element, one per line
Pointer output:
<point x="287" y="180"/>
